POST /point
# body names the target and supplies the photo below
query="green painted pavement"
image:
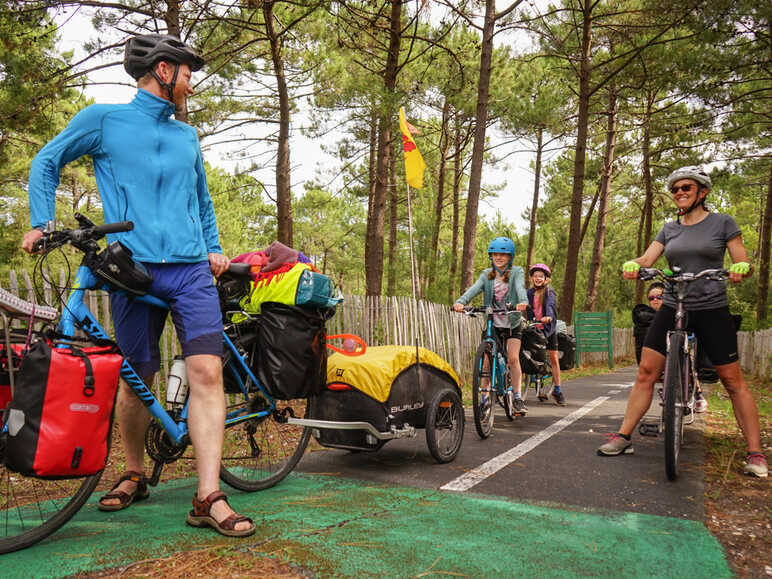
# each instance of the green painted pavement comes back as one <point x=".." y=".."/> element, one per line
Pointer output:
<point x="345" y="528"/>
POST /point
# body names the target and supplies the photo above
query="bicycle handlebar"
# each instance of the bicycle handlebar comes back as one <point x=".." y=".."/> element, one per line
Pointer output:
<point x="649" y="273"/>
<point x="88" y="232"/>
<point x="471" y="311"/>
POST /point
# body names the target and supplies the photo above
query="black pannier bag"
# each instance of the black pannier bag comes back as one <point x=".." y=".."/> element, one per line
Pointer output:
<point x="567" y="350"/>
<point x="533" y="351"/>
<point x="291" y="360"/>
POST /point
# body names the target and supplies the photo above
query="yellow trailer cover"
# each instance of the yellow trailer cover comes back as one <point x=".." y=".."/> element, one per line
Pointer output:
<point x="374" y="371"/>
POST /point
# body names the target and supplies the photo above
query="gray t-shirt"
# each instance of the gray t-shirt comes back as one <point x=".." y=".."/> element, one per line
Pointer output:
<point x="693" y="248"/>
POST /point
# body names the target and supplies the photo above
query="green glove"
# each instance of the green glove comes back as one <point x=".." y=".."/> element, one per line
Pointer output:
<point x="630" y="266"/>
<point x="741" y="267"/>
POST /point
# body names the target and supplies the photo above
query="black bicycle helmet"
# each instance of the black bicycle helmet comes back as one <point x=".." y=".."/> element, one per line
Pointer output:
<point x="144" y="51"/>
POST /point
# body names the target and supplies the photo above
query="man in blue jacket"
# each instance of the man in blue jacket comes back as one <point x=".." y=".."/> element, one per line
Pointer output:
<point x="149" y="170"/>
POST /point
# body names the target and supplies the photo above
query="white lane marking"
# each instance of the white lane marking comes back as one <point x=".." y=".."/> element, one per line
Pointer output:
<point x="625" y="385"/>
<point x="475" y="476"/>
<point x="614" y="391"/>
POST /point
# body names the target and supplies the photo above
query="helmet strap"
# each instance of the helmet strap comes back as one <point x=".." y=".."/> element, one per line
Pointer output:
<point x="168" y="86"/>
<point x="693" y="206"/>
<point x="506" y="268"/>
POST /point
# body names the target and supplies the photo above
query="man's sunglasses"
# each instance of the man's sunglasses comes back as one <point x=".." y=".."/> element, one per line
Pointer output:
<point x="684" y="188"/>
<point x="652" y="298"/>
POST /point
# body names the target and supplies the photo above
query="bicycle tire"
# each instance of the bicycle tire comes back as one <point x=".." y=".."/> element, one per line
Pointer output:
<point x="31" y="509"/>
<point x="674" y="399"/>
<point x="260" y="452"/>
<point x="483" y="410"/>
<point x="445" y="425"/>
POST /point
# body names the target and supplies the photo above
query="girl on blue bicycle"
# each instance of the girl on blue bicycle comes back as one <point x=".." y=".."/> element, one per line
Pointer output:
<point x="544" y="309"/>
<point x="501" y="284"/>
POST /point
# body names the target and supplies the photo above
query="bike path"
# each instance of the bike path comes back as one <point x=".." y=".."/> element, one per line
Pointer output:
<point x="337" y="527"/>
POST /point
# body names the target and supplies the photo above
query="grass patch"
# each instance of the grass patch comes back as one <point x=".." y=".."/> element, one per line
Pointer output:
<point x="737" y="507"/>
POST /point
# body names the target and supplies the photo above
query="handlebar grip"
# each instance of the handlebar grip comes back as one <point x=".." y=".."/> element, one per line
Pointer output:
<point x="117" y="227"/>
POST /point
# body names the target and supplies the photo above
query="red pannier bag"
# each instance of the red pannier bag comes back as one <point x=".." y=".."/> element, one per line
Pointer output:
<point x="60" y="417"/>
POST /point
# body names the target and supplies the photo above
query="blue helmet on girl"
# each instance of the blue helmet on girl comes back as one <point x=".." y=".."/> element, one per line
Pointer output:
<point x="502" y="245"/>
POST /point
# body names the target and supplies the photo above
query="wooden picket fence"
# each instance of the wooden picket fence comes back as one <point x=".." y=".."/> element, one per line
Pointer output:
<point x="403" y="321"/>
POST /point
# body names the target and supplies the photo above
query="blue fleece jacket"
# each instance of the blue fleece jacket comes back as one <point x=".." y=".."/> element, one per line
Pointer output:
<point x="149" y="170"/>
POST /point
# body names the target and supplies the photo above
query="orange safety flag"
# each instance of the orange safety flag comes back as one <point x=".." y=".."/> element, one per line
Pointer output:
<point x="414" y="162"/>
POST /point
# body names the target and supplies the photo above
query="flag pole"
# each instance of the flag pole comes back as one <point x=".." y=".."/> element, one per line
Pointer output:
<point x="413" y="269"/>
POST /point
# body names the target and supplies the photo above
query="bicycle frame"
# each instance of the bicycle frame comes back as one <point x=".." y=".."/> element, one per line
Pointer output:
<point x="688" y="341"/>
<point x="77" y="315"/>
<point x="498" y="382"/>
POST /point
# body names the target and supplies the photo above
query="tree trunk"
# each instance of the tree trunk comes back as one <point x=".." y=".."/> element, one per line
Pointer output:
<point x="648" y="204"/>
<point x="440" y="199"/>
<point x="566" y="309"/>
<point x="764" y="256"/>
<point x="458" y="146"/>
<point x="172" y="20"/>
<point x="283" y="191"/>
<point x="481" y="119"/>
<point x="605" y="189"/>
<point x="374" y="239"/>
<point x="535" y="203"/>
<point x="391" y="282"/>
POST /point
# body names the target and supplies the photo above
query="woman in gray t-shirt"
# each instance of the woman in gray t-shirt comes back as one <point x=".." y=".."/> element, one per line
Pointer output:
<point x="697" y="240"/>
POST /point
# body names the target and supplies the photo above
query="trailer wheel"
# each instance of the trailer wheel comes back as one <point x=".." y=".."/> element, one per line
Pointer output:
<point x="445" y="425"/>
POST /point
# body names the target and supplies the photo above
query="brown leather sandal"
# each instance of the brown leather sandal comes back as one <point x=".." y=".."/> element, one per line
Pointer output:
<point x="200" y="517"/>
<point x="125" y="499"/>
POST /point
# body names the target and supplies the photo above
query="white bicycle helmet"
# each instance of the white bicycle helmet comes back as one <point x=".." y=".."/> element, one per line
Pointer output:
<point x="694" y="172"/>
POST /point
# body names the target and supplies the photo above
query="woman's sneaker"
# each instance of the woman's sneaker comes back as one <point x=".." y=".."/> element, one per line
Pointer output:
<point x="756" y="465"/>
<point x="520" y="407"/>
<point x="559" y="397"/>
<point x="615" y="445"/>
<point x="700" y="404"/>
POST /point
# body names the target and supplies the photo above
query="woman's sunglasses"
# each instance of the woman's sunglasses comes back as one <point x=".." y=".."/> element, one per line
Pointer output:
<point x="684" y="188"/>
<point x="657" y="298"/>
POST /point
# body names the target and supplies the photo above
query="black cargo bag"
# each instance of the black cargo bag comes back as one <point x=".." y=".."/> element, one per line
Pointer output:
<point x="566" y="350"/>
<point x="291" y="356"/>
<point x="533" y="352"/>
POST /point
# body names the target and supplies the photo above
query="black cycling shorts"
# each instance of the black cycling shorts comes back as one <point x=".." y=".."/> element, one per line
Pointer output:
<point x="552" y="342"/>
<point x="714" y="329"/>
<point x="504" y="334"/>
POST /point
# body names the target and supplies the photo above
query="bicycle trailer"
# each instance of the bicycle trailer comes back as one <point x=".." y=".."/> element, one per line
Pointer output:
<point x="388" y="392"/>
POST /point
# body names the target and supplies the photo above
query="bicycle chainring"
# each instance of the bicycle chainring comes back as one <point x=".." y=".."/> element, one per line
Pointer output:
<point x="160" y="447"/>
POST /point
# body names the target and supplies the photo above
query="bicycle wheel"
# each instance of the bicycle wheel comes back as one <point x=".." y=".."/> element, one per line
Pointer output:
<point x="509" y="404"/>
<point x="260" y="452"/>
<point x="482" y="399"/>
<point x="445" y="425"/>
<point x="32" y="508"/>
<point x="674" y="402"/>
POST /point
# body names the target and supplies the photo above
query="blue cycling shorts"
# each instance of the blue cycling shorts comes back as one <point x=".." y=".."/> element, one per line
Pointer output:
<point x="189" y="290"/>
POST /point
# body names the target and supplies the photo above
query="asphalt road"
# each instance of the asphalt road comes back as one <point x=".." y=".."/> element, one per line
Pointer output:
<point x="564" y="469"/>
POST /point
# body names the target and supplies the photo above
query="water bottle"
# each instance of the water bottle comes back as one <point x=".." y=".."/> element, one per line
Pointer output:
<point x="502" y="365"/>
<point x="177" y="383"/>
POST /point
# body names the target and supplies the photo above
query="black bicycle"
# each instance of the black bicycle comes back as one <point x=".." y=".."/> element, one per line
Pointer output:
<point x="680" y="383"/>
